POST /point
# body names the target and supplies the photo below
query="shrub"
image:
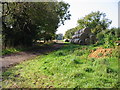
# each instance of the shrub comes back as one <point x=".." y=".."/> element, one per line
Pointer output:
<point x="116" y="52"/>
<point x="108" y="37"/>
<point x="100" y="37"/>
<point x="111" y="36"/>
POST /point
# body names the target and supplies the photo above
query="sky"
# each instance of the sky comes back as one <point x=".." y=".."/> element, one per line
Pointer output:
<point x="80" y="8"/>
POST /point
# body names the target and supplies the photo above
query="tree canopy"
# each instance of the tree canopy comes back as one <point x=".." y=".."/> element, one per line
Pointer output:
<point x="25" y="22"/>
<point x="96" y="21"/>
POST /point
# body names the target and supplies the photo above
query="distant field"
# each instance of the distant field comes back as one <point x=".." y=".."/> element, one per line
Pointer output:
<point x="69" y="67"/>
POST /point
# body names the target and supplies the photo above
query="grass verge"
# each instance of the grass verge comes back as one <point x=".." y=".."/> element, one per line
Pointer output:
<point x="69" y="67"/>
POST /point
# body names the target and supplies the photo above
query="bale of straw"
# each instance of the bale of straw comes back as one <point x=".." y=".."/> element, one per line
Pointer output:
<point x="87" y="41"/>
<point x="82" y="36"/>
<point x="87" y="30"/>
<point x="92" y="39"/>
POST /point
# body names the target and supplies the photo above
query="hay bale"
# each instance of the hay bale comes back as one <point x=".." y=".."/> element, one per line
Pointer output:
<point x="82" y="36"/>
<point x="80" y="41"/>
<point x="92" y="36"/>
<point x="80" y="31"/>
<point x="92" y="39"/>
<point x="78" y="36"/>
<point x="76" y="32"/>
<point x="87" y="41"/>
<point x="72" y="40"/>
<point x="74" y="36"/>
<point x="87" y="30"/>
<point x="77" y="40"/>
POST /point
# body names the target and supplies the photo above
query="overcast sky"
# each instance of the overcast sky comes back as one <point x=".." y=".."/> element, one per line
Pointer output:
<point x="80" y="8"/>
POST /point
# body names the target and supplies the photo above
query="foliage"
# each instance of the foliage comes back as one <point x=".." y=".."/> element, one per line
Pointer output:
<point x="108" y="37"/>
<point x="10" y="50"/>
<point x="99" y="26"/>
<point x="69" y="33"/>
<point x="96" y="21"/>
<point x="26" y="22"/>
<point x="64" y="69"/>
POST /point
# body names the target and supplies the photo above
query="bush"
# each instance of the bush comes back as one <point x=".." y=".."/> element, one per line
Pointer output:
<point x="108" y="37"/>
<point x="111" y="36"/>
<point x="116" y="52"/>
<point x="100" y="36"/>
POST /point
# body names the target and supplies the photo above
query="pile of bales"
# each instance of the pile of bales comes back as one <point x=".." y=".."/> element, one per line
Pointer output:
<point x="83" y="37"/>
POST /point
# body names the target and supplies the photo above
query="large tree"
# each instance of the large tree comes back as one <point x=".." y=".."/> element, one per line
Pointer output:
<point x="25" y="22"/>
<point x="97" y="21"/>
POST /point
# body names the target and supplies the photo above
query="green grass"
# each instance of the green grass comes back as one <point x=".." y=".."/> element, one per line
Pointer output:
<point x="15" y="50"/>
<point x="69" y="67"/>
<point x="10" y="50"/>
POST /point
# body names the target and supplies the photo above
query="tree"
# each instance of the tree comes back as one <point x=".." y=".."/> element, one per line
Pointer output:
<point x="96" y="21"/>
<point x="26" y="22"/>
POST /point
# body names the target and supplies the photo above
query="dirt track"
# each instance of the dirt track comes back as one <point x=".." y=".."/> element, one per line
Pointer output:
<point x="13" y="59"/>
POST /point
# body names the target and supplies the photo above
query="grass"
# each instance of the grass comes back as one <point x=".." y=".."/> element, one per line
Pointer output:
<point x="15" y="50"/>
<point x="10" y="50"/>
<point x="69" y="67"/>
